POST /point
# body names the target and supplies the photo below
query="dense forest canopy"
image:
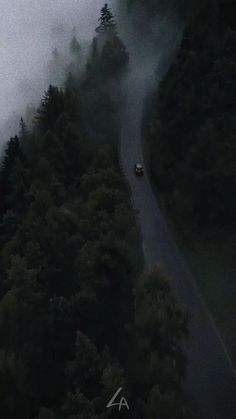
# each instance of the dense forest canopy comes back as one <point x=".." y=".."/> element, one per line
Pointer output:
<point x="191" y="125"/>
<point x="183" y="8"/>
<point x="77" y="318"/>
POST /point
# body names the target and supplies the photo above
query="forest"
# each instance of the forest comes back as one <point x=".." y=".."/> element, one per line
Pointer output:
<point x="191" y="126"/>
<point x="78" y="316"/>
<point x="189" y="130"/>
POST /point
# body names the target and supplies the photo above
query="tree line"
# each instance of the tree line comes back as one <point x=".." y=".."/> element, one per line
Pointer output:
<point x="78" y="320"/>
<point x="191" y="126"/>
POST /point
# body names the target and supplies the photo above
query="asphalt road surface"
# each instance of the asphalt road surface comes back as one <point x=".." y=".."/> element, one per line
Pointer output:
<point x="211" y="378"/>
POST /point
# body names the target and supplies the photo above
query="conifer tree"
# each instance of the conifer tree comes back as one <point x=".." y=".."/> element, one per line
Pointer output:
<point x="23" y="131"/>
<point x="75" y="47"/>
<point x="56" y="68"/>
<point x="93" y="64"/>
<point x="95" y="53"/>
<point x="52" y="105"/>
<point x="114" y="57"/>
<point x="106" y="20"/>
<point x="75" y="50"/>
<point x="12" y="152"/>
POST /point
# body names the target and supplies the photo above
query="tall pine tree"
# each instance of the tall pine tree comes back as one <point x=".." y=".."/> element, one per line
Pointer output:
<point x="75" y="47"/>
<point x="106" y="20"/>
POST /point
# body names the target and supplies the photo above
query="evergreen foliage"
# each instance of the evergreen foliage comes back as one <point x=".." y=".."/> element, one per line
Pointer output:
<point x="191" y="126"/>
<point x="70" y="257"/>
<point x="75" y="46"/>
<point x="107" y="24"/>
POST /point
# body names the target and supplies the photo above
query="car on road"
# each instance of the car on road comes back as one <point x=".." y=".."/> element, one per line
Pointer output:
<point x="138" y="169"/>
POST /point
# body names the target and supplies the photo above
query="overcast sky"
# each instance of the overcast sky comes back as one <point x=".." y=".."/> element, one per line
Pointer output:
<point x="29" y="31"/>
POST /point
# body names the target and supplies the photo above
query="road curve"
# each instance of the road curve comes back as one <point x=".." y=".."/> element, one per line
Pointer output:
<point x="211" y="378"/>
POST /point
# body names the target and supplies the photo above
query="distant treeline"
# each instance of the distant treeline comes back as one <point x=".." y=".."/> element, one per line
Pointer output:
<point x="76" y="323"/>
<point x="191" y="125"/>
<point x="183" y="8"/>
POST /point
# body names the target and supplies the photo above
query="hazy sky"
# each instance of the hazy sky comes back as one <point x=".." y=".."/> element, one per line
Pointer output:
<point x="29" y="31"/>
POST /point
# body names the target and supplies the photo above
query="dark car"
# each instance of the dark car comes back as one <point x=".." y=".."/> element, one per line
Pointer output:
<point x="138" y="168"/>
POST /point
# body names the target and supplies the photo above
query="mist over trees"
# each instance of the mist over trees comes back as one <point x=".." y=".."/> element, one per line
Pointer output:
<point x="182" y="8"/>
<point x="30" y="32"/>
<point x="77" y="318"/>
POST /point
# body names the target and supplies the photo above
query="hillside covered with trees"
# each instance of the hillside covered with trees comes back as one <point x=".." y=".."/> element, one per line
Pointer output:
<point x="190" y="131"/>
<point x="78" y="318"/>
<point x="191" y="125"/>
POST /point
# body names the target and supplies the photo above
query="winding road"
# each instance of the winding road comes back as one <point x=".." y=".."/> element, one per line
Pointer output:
<point x="211" y="378"/>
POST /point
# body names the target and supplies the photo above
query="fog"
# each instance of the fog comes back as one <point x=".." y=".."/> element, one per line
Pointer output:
<point x="152" y="48"/>
<point x="29" y="31"/>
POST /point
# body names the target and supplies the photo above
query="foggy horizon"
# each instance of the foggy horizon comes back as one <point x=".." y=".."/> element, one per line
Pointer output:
<point x="30" y="31"/>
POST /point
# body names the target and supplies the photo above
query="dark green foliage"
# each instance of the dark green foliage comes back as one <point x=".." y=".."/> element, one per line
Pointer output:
<point x="163" y="406"/>
<point x="56" y="68"/>
<point x="66" y="265"/>
<point x="161" y="326"/>
<point x="108" y="60"/>
<point x="109" y="57"/>
<point x="107" y="24"/>
<point x="75" y="48"/>
<point x="24" y="133"/>
<point x="77" y="406"/>
<point x="76" y="66"/>
<point x="12" y="153"/>
<point x="93" y="64"/>
<point x="51" y="107"/>
<point x="114" y="57"/>
<point x="45" y="414"/>
<point x="70" y="255"/>
<point x="13" y="167"/>
<point x="191" y="126"/>
<point x="12" y="385"/>
<point x="154" y="7"/>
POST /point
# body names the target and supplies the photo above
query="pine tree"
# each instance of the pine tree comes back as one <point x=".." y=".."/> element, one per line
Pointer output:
<point x="161" y="328"/>
<point x="12" y="152"/>
<point x="70" y="84"/>
<point x="114" y="57"/>
<point x="75" y="50"/>
<point x="24" y="134"/>
<point x="52" y="105"/>
<point x="75" y="47"/>
<point x="93" y="64"/>
<point x="106" y="20"/>
<point x="56" y="68"/>
<point x="94" y="53"/>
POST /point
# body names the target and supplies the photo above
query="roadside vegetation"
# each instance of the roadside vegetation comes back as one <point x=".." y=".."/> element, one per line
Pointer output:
<point x="77" y="318"/>
<point x="190" y="131"/>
